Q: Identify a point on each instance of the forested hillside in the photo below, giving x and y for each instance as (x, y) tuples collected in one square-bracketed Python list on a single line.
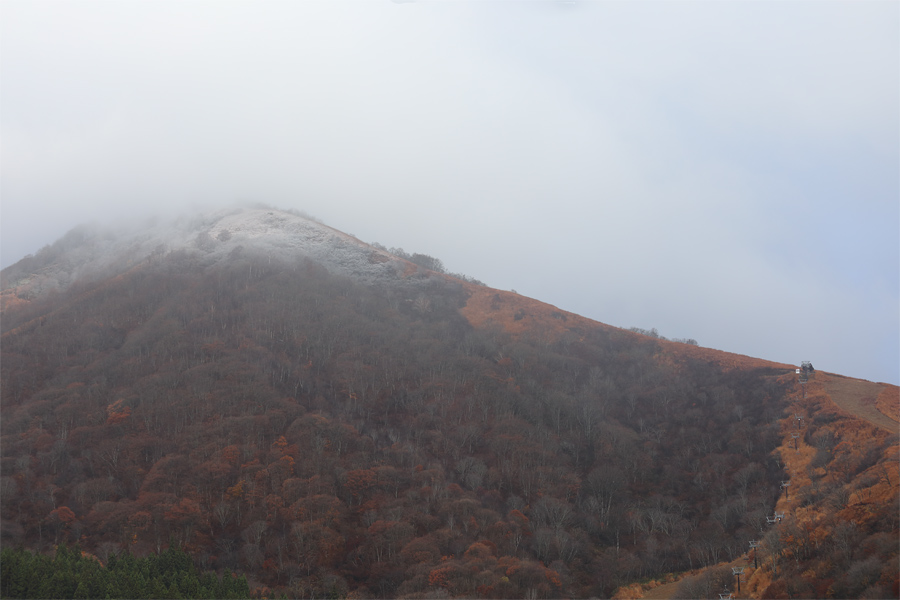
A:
[(327, 436)]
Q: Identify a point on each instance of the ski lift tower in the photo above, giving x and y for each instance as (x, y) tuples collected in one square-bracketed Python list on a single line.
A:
[(739, 572), (754, 545), (805, 370)]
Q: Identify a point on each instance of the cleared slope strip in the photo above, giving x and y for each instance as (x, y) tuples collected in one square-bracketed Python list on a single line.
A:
[(859, 397)]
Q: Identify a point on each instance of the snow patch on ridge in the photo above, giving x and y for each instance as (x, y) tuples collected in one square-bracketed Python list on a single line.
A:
[(91, 251), (285, 235)]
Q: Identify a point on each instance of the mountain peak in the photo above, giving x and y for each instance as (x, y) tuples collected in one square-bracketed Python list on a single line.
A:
[(98, 250)]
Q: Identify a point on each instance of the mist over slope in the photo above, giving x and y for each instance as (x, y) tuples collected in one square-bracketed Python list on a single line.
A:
[(95, 250), (278, 398)]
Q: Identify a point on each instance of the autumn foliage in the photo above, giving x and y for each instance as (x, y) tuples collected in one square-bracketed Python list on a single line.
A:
[(328, 437)]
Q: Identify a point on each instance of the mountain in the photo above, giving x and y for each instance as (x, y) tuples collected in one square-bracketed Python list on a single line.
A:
[(330, 418)]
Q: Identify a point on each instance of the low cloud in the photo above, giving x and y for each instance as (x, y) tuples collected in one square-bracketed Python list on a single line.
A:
[(718, 171)]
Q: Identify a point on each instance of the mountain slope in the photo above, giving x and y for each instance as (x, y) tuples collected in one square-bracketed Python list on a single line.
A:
[(328, 418), (861, 398), (841, 505)]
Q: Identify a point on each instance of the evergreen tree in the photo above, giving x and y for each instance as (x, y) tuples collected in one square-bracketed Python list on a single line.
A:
[(70, 575)]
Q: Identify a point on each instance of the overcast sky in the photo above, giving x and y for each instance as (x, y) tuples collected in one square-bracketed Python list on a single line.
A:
[(725, 171)]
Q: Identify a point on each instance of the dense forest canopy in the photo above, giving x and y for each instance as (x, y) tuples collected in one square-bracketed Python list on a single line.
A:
[(326, 436), (71, 573)]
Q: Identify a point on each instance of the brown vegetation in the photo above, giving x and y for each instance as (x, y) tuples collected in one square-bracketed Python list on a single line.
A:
[(425, 439), (859, 398), (888, 402)]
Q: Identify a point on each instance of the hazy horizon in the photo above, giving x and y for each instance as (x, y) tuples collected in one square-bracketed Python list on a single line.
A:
[(726, 172)]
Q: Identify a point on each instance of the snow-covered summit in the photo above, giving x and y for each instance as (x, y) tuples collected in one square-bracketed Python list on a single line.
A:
[(288, 235), (105, 249)]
